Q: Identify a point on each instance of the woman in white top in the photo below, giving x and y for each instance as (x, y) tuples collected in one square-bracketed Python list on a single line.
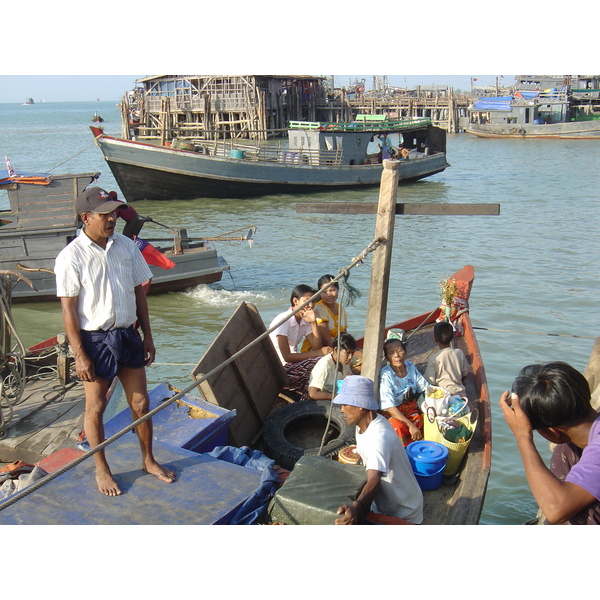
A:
[(288, 336)]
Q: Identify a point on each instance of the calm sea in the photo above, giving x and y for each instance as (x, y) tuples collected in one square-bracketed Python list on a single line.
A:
[(536, 264)]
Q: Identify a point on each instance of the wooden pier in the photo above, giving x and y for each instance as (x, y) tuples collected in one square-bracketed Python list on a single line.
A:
[(209, 107)]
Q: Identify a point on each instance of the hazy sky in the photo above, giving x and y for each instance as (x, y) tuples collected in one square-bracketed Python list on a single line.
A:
[(72, 88)]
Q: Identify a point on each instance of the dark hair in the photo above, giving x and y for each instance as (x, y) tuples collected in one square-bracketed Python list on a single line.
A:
[(299, 291), (443, 332), (391, 341), (345, 341), (553, 394), (326, 279)]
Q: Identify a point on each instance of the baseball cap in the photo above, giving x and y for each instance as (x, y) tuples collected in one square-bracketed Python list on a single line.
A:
[(357, 390), (96, 200)]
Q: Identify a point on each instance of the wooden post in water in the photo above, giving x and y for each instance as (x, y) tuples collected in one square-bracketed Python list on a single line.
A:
[(382, 256), (380, 272)]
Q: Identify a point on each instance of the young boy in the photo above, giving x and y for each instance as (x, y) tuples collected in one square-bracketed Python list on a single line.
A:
[(554, 399), (448, 367), (324, 376)]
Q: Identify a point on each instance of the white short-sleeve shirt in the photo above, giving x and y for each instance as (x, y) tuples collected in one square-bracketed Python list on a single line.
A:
[(103, 279)]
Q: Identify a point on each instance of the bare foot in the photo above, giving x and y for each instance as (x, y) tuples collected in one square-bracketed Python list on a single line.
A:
[(106, 484), (164, 474)]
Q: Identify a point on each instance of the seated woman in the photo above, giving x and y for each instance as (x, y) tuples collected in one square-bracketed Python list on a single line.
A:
[(288, 336), (331, 317), (331, 368), (400, 384)]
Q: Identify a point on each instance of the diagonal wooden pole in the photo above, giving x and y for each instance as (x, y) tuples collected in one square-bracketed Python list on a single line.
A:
[(380, 273)]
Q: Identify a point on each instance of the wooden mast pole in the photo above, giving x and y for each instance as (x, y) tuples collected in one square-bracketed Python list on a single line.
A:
[(380, 273)]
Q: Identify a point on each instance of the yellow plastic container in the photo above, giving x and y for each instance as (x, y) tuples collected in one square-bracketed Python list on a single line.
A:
[(456, 451)]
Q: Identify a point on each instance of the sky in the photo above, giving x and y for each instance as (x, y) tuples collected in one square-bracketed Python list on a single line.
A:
[(85, 53), (74, 88)]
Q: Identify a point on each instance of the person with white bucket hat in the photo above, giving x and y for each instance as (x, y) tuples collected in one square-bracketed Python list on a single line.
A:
[(391, 488)]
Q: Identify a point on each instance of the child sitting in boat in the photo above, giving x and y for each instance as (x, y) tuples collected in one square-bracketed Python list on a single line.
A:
[(448, 367), (331, 368), (331, 317), (401, 385), (554, 399), (288, 336)]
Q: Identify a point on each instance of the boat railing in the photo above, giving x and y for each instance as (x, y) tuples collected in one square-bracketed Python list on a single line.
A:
[(363, 123), (276, 153)]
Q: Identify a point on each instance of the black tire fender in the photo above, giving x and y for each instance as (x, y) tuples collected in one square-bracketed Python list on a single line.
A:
[(284, 452)]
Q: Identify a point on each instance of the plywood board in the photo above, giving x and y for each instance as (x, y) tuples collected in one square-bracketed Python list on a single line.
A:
[(251, 383)]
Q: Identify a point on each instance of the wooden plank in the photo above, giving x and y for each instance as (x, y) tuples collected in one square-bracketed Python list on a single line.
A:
[(409, 208), (380, 273), (41, 431), (243, 378), (259, 368)]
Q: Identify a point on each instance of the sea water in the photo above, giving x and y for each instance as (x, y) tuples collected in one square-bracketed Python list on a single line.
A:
[(536, 267)]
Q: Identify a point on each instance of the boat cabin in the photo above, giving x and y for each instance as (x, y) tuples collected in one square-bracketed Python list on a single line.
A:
[(367, 140), (523, 108)]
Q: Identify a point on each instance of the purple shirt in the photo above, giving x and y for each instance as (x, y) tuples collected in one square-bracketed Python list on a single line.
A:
[(586, 473)]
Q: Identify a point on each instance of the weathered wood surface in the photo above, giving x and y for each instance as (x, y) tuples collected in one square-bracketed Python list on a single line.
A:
[(249, 385), (380, 272), (56, 208), (48, 418), (409, 208)]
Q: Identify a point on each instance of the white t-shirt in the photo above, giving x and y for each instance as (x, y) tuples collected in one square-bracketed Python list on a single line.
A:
[(104, 280), (294, 331), (381, 449), (324, 374)]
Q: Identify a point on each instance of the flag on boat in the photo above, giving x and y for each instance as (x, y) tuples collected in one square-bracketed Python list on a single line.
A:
[(152, 255), (11, 171)]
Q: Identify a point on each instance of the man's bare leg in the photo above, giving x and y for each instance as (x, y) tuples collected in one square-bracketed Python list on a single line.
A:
[(134, 384), (95, 403)]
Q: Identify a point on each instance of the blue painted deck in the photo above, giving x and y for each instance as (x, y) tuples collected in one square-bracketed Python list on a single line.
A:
[(173, 425), (207, 491)]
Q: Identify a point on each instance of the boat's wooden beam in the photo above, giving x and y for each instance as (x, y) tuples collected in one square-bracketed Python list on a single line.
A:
[(409, 208), (380, 273)]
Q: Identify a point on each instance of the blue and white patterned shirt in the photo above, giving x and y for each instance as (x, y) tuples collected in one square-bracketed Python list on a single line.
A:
[(392, 388)]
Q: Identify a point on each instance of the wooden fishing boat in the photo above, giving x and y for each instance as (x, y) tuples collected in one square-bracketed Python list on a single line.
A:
[(251, 385), (42, 221), (550, 114), (317, 157), (461, 502)]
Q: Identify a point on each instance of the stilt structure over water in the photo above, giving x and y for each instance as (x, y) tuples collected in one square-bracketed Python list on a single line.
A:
[(209, 107)]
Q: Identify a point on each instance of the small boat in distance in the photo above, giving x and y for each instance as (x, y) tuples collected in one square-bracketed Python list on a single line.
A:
[(28, 101), (560, 112), (42, 221), (317, 157)]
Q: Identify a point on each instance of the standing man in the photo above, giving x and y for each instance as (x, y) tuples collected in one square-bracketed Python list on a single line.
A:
[(99, 278), (391, 488)]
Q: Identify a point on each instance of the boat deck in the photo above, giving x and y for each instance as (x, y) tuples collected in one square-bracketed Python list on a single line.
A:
[(47, 418), (206, 491), (444, 505)]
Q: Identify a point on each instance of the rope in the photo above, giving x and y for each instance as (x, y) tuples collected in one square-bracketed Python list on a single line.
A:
[(337, 365), (72, 157), (51, 476), (586, 337)]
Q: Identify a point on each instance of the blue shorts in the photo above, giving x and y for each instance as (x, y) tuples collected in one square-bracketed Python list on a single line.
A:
[(110, 350)]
